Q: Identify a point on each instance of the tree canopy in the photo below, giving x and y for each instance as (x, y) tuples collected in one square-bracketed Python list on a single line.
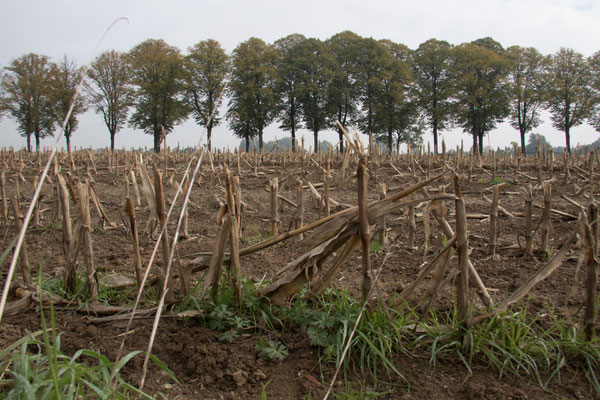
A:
[(481, 97), (65, 79), (157, 71), (345, 90), (110, 90), (288, 85), (526, 88), (377, 87), (206, 67), (316, 67), (253, 85), (26, 89), (570, 98), (435, 88)]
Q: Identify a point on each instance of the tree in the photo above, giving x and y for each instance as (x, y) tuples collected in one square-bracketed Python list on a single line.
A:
[(241, 127), (157, 73), (370, 66), (394, 110), (287, 87), (65, 79), (345, 93), (526, 88), (481, 97), (532, 143), (411, 135), (25, 96), (594, 64), (253, 85), (434, 84), (570, 98), (110, 90), (317, 66), (206, 67)]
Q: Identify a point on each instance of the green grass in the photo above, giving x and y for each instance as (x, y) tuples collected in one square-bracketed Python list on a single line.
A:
[(540, 346), (34, 369), (375, 246), (513, 343)]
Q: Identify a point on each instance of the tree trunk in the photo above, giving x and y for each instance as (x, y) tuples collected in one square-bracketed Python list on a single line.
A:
[(293, 123), (568, 139), (481, 143), (112, 141), (208, 136), (316, 137), (523, 142), (37, 141), (341, 136), (157, 135), (29, 142), (68, 138), (475, 147), (390, 142), (293, 139), (247, 144), (435, 137), (260, 139)]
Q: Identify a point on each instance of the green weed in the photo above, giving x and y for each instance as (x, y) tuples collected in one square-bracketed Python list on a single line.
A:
[(271, 350)]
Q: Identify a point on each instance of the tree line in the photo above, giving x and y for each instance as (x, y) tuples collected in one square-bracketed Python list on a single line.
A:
[(375, 86)]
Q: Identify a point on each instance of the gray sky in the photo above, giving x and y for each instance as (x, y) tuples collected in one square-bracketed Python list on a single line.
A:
[(60, 27)]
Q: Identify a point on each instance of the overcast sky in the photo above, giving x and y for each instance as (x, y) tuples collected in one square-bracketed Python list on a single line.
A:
[(60, 27)]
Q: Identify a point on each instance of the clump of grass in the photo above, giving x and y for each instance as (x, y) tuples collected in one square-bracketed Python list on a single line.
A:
[(40, 370), (515, 344), (329, 321)]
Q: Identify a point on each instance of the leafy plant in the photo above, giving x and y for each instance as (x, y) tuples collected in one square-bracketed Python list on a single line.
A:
[(271, 350)]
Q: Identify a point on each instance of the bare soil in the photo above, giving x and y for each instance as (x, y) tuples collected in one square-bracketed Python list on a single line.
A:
[(209, 368)]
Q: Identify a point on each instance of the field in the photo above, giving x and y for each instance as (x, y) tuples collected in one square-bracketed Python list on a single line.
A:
[(256, 338)]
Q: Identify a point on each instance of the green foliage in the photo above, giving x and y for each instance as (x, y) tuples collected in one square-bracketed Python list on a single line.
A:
[(111, 93), (50, 374), (316, 69), (252, 90), (345, 91), (481, 99), (288, 84), (206, 67), (157, 71), (350, 393), (395, 111), (373, 63), (65, 78), (539, 347), (527, 88), (434, 84), (47, 373), (329, 321), (271, 350), (375, 246), (570, 98), (26, 91), (594, 65), (534, 140)]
